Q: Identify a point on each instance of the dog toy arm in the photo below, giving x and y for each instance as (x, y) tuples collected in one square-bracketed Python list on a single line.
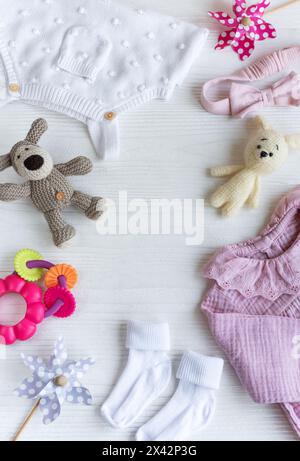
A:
[(78, 166), (10, 192), (253, 199), (226, 170)]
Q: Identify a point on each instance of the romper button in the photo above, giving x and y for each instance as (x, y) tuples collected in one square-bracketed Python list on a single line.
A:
[(60, 196), (110, 116), (14, 87)]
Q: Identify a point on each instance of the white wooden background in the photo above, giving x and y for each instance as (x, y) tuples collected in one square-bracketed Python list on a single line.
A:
[(167, 149)]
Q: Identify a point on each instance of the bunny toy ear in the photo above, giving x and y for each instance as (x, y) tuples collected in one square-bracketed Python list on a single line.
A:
[(5, 162), (36, 131), (293, 140), (261, 122)]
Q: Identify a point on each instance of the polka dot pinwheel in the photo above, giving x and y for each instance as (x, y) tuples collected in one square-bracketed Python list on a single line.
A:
[(247, 27), (54, 382)]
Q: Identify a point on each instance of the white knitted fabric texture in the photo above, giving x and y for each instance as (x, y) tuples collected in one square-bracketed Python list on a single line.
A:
[(91, 57)]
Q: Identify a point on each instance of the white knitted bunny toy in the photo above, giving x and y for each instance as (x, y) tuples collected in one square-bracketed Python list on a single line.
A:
[(266, 151)]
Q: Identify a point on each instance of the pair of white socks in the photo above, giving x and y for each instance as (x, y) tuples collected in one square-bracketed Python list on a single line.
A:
[(146, 376)]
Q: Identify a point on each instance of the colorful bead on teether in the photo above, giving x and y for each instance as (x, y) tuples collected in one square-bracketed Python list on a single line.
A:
[(59, 293), (20, 264), (61, 270)]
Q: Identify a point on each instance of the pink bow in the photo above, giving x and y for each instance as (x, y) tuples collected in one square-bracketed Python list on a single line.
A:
[(245, 98)]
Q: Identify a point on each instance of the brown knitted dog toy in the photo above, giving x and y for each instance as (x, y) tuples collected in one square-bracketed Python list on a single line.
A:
[(47, 185)]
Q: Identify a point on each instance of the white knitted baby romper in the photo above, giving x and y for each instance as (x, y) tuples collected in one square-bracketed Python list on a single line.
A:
[(92, 59)]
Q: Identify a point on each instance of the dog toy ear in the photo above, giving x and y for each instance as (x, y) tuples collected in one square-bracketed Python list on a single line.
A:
[(261, 122), (293, 140), (5, 162), (36, 131)]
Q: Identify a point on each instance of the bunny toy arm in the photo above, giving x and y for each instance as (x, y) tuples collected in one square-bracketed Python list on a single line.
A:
[(78, 166), (10, 192), (226, 170)]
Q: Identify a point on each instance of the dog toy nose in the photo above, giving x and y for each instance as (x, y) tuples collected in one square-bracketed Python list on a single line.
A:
[(34, 162), (263, 154)]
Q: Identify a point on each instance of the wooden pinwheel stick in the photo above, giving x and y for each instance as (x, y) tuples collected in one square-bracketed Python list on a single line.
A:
[(284, 5), (26, 421)]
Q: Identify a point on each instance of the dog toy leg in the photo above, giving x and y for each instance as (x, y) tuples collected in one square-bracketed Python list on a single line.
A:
[(61, 231), (93, 207)]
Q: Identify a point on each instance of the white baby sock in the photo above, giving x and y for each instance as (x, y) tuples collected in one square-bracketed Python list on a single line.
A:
[(193, 404), (146, 375)]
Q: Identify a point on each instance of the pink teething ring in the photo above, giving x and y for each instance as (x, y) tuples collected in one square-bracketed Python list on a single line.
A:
[(55, 293), (58, 300), (35, 311)]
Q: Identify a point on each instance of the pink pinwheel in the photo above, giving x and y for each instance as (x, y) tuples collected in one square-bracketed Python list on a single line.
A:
[(246, 28)]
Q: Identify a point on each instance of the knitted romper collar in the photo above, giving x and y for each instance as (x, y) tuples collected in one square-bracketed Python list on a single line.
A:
[(253, 309), (92, 60), (244, 99)]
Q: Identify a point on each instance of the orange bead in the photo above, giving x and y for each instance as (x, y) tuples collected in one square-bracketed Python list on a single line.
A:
[(53, 274)]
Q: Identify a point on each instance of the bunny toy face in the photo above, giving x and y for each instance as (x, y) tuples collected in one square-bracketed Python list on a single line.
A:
[(266, 151), (30, 161)]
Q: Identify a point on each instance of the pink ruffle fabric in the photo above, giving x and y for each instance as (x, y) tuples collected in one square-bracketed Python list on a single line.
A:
[(253, 309)]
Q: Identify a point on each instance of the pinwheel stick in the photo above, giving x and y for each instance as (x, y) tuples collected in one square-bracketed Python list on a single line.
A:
[(284, 5), (26, 421)]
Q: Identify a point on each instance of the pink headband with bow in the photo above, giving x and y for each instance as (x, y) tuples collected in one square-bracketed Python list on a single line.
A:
[(244, 99)]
